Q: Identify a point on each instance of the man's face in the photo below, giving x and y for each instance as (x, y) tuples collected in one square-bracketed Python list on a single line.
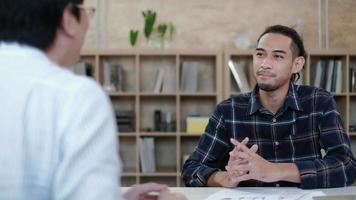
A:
[(273, 61)]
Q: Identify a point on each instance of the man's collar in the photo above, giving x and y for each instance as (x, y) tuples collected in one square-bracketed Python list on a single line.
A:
[(291, 100)]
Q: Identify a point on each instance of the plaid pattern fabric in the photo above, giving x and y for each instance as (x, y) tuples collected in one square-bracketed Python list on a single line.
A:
[(307, 130)]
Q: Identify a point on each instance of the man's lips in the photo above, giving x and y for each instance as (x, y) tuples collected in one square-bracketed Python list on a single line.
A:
[(265, 74)]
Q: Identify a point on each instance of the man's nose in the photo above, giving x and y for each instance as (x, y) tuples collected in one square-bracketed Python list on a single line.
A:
[(266, 63)]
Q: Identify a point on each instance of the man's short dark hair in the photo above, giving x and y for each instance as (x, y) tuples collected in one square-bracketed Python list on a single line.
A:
[(297, 46), (33, 22)]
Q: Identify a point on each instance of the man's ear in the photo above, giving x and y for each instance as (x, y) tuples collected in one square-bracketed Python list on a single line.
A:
[(298, 64), (69, 23)]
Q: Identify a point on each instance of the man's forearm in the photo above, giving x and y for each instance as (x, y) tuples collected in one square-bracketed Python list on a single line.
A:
[(220, 179), (216, 179), (280, 172), (287, 172)]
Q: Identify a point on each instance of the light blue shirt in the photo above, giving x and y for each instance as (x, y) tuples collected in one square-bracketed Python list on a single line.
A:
[(57, 131)]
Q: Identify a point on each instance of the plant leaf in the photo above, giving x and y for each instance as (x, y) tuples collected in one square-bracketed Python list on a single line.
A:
[(133, 37)]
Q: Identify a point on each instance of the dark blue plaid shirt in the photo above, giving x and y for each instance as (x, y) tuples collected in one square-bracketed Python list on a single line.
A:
[(305, 126)]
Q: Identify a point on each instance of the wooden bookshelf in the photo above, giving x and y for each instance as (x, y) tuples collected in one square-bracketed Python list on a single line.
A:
[(140, 69)]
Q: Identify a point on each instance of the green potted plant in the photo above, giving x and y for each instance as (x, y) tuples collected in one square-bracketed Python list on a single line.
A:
[(162, 29), (150, 18), (133, 37)]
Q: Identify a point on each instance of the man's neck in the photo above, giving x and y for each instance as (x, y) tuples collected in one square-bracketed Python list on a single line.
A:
[(273, 100)]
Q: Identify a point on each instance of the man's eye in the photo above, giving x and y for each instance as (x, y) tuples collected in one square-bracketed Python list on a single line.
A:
[(259, 54), (278, 56)]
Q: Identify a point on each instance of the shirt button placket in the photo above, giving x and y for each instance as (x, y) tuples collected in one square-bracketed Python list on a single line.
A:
[(276, 143)]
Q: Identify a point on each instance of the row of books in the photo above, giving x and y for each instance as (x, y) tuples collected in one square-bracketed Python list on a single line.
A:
[(165, 79), (113, 77), (328, 75)]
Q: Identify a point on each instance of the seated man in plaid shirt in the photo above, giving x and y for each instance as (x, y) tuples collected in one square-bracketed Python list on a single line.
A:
[(280, 134)]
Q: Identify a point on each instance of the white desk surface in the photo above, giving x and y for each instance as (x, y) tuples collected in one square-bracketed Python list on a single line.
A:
[(201, 193)]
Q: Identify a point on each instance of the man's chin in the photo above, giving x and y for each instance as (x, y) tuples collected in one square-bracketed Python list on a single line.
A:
[(267, 87)]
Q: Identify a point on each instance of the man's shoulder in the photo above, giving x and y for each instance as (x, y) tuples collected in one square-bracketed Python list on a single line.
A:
[(307, 92), (65, 81), (241, 100)]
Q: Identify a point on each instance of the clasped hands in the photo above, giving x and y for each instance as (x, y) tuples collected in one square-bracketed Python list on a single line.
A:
[(245, 164)]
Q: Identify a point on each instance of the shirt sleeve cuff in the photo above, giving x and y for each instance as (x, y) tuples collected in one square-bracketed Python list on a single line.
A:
[(205, 173), (308, 174)]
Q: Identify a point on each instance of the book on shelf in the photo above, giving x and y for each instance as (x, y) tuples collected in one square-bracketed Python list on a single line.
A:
[(125, 120), (352, 79), (117, 76), (323, 76), (239, 74), (113, 77), (189, 79), (318, 71), (147, 154), (159, 80), (338, 82), (328, 75), (169, 81), (196, 124)]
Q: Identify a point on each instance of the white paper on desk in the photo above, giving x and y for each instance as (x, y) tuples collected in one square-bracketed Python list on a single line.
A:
[(259, 194)]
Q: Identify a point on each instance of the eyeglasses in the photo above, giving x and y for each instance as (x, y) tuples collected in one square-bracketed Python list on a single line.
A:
[(88, 9)]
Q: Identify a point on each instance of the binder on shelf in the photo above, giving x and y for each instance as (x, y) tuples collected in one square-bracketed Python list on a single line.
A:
[(352, 80), (237, 70), (338, 81), (169, 82), (117, 76), (189, 81), (147, 156), (107, 84), (159, 80), (196, 124), (329, 75), (318, 71), (323, 74)]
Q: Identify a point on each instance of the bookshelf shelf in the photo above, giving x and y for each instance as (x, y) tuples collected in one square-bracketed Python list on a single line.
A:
[(198, 94), (160, 174), (121, 94), (186, 135), (127, 174), (127, 134), (157, 95), (159, 134)]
